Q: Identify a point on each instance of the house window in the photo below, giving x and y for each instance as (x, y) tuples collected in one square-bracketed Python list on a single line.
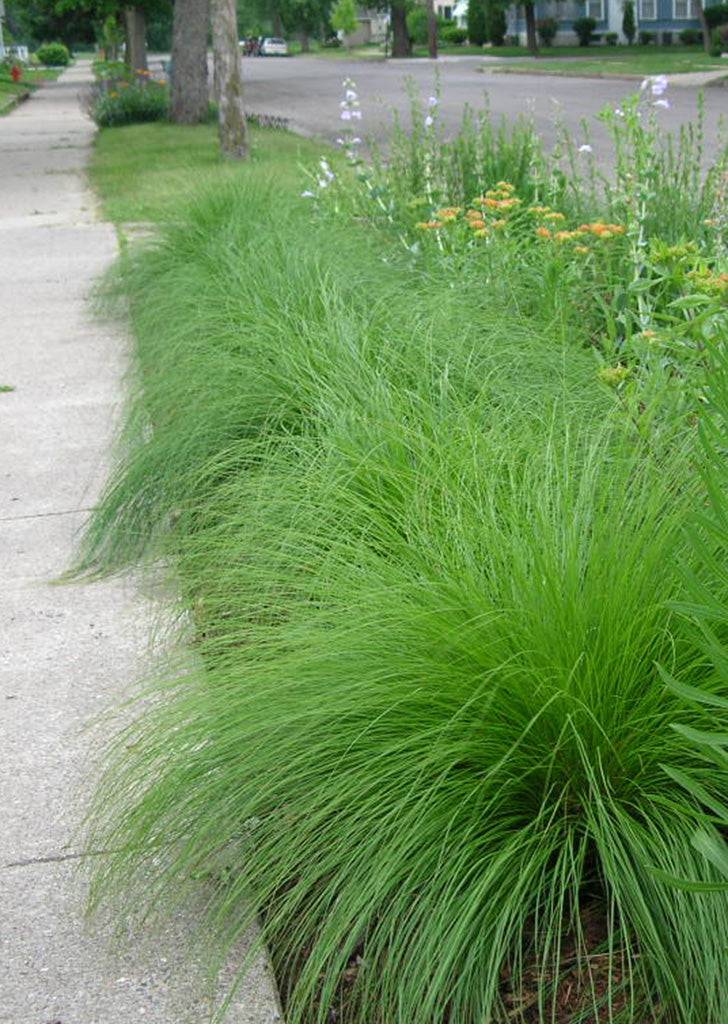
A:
[(595, 9), (648, 10), (684, 9)]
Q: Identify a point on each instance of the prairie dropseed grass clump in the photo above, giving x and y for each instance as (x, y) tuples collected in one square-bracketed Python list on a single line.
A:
[(427, 493)]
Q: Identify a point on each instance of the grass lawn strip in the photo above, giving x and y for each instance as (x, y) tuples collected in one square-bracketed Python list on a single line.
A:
[(619, 64), (12, 93)]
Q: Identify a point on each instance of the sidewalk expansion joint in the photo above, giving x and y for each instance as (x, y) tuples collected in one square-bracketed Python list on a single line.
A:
[(45, 515)]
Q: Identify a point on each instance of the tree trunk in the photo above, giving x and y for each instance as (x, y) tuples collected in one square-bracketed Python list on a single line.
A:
[(704, 27), (401, 46), (228, 71), (305, 41), (135, 28), (277, 22), (431, 30), (189, 97), (531, 37)]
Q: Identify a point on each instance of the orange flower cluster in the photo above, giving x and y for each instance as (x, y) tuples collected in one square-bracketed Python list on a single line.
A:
[(712, 284), (602, 230), (476, 222), (499, 198), (448, 214), (429, 225)]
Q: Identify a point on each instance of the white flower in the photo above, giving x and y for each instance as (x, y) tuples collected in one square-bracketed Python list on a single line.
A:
[(659, 85), (429, 121), (346, 115), (322, 183), (433, 101), (308, 194), (350, 94), (618, 112), (586, 148), (341, 142), (356, 114), (356, 141), (665, 104)]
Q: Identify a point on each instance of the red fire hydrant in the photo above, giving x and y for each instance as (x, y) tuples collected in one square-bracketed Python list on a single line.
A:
[(16, 73)]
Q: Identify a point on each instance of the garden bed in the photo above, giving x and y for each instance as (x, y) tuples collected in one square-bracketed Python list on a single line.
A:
[(418, 441)]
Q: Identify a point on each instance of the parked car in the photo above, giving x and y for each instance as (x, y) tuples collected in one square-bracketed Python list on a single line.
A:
[(272, 47)]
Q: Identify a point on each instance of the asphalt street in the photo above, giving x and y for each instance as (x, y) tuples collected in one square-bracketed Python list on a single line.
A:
[(307, 90)]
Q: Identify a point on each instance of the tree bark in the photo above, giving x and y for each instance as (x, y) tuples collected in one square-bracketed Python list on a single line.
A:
[(531, 37), (135, 28), (305, 41), (401, 46), (228, 72), (189, 96), (277, 22), (431, 30)]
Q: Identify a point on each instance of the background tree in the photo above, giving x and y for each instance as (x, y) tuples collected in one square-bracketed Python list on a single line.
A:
[(228, 73), (431, 30), (475, 22), (343, 18), (401, 43), (133, 17), (529, 10), (305, 18), (496, 23), (36, 21), (135, 27), (629, 26), (189, 95)]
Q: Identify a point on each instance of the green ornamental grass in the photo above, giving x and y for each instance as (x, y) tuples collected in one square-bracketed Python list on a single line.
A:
[(426, 571)]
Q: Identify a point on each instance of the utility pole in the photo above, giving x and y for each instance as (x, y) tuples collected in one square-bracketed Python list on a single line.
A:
[(2, 18), (431, 29)]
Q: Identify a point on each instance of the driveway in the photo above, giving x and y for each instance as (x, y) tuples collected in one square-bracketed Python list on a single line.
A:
[(307, 90)]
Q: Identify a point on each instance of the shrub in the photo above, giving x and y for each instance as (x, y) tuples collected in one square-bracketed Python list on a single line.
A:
[(547, 29), (53, 54), (666, 38), (476, 23), (332, 43), (691, 37), (629, 26), (496, 23), (134, 103), (645, 38), (112, 71), (584, 29), (453, 35), (611, 38), (719, 40)]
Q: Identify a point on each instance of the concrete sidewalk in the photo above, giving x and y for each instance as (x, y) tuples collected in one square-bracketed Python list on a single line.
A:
[(66, 653)]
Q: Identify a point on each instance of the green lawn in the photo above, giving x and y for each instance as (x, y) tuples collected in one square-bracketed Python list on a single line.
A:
[(559, 60), (31, 79), (142, 171), (617, 60)]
